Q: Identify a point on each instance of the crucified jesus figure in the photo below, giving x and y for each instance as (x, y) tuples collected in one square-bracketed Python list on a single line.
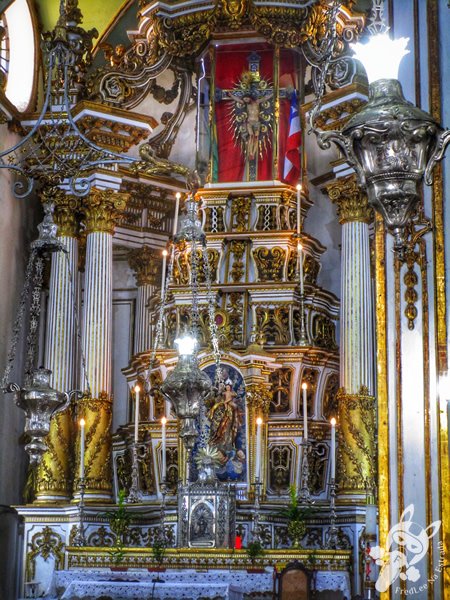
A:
[(252, 103)]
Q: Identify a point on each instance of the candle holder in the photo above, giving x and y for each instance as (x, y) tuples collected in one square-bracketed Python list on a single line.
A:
[(80, 538), (134, 495), (256, 512), (163, 487), (305, 495), (332, 541), (303, 339)]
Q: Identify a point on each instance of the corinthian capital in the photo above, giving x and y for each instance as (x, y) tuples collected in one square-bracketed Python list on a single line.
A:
[(145, 263), (259, 396), (351, 200), (102, 209), (66, 214)]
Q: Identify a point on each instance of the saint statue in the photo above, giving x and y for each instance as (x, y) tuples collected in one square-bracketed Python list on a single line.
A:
[(225, 421)]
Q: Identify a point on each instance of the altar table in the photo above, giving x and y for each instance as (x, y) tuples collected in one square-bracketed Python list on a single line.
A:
[(235, 583), (129, 590)]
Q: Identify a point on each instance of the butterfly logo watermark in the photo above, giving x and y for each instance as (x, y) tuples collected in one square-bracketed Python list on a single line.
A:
[(406, 544)]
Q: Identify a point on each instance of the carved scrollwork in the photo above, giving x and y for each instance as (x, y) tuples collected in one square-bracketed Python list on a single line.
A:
[(324, 332), (237, 251), (280, 465), (274, 324), (270, 263), (329, 402), (172, 468), (240, 212), (45, 543), (311, 268), (310, 377), (318, 458), (281, 381), (101, 537), (129, 76), (258, 398), (235, 312)]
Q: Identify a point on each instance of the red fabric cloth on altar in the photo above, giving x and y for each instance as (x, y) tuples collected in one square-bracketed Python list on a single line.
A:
[(231, 62)]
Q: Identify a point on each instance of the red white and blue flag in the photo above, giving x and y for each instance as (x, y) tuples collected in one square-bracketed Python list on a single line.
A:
[(291, 171)]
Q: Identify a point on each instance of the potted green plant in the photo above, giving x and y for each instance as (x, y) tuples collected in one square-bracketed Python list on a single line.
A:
[(158, 553), (254, 551), (296, 515), (119, 522)]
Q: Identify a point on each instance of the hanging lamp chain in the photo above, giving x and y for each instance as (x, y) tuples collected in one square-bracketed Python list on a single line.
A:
[(18, 322), (326, 53)]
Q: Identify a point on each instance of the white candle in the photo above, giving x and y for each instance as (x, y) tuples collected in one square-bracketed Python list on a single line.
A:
[(163, 448), (259, 422), (300, 267), (333, 448), (177, 208), (299, 209), (163, 278), (305, 412), (137, 389), (82, 444)]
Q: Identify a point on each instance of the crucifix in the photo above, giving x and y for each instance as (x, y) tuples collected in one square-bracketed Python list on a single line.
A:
[(251, 115)]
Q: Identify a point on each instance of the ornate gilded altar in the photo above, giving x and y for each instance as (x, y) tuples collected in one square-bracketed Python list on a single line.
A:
[(274, 334)]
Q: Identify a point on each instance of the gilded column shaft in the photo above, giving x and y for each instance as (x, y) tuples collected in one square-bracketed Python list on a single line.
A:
[(54, 473), (101, 210), (356, 465)]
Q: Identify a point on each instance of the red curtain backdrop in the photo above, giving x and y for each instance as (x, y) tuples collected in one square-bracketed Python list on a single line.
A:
[(231, 62)]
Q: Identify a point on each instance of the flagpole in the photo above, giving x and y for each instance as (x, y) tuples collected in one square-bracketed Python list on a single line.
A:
[(292, 162)]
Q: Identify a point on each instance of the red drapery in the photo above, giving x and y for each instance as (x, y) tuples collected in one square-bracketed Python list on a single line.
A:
[(231, 62)]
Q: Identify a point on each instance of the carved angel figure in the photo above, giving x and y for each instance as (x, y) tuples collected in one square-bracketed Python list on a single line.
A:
[(151, 164)]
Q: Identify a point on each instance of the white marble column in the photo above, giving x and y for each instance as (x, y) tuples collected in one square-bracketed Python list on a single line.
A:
[(101, 211), (97, 313), (356, 473), (54, 474), (145, 263), (60, 346), (356, 315)]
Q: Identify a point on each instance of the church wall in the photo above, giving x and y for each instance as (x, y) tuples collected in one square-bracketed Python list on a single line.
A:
[(414, 365), (124, 303), (322, 224), (183, 150)]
